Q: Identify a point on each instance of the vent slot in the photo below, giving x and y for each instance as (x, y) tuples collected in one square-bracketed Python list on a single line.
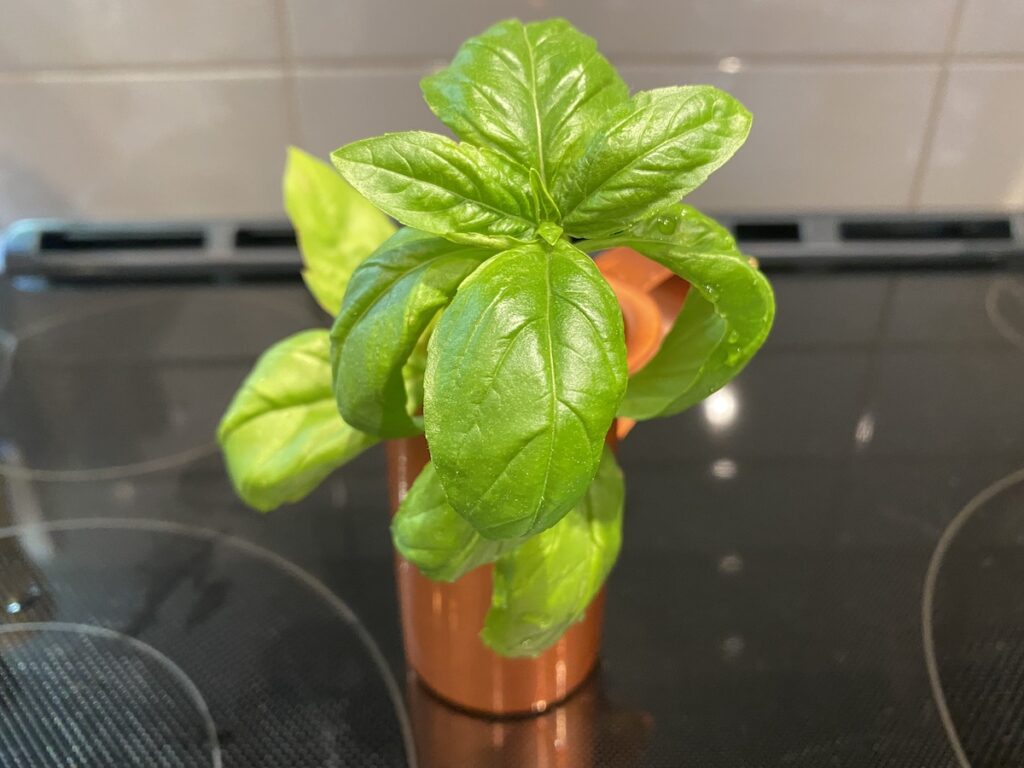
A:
[(113, 240), (937, 229), (768, 232), (265, 237)]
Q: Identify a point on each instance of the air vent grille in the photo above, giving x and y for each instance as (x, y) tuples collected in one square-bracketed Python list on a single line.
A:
[(926, 229), (230, 249), (265, 237), (51, 241), (767, 232)]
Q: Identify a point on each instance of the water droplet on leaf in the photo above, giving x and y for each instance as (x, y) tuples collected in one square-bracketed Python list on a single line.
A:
[(666, 224)]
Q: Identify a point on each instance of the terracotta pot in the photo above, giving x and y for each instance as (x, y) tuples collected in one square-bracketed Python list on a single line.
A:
[(441, 622)]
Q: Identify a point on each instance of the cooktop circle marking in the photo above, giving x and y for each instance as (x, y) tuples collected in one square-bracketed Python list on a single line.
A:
[(274, 559), (50, 322), (10, 340), (928, 604), (8, 345), (1016, 289), (144, 648), (116, 472), (44, 324)]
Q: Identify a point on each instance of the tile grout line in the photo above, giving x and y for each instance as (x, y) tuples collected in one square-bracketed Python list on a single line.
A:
[(288, 73), (935, 110), (242, 69), (155, 74)]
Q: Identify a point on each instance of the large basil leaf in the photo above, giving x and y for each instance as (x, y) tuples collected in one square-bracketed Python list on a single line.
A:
[(429, 182), (336, 227), (535, 92), (391, 299), (526, 369), (653, 150), (282, 434), (432, 536), (725, 320), (545, 585)]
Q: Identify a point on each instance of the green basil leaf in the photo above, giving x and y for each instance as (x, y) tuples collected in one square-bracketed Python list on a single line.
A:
[(535, 92), (432, 536), (686, 368), (544, 585), (429, 182), (335, 226), (689, 229), (526, 369), (545, 206), (391, 299), (725, 320), (654, 149), (281, 434), (413, 371), (549, 232), (547, 210)]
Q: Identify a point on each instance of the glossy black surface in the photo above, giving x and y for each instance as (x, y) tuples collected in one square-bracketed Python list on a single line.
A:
[(148, 643), (767, 609)]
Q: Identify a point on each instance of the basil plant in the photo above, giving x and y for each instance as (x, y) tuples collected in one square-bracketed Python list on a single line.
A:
[(484, 323)]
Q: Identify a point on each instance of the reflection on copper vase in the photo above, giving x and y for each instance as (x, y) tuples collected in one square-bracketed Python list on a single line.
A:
[(441, 621)]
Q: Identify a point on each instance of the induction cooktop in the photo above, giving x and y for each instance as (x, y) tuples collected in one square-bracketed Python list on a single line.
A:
[(822, 564)]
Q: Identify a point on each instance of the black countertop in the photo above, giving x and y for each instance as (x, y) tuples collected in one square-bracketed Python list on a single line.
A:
[(782, 545)]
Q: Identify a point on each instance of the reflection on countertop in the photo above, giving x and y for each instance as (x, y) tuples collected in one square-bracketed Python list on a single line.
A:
[(585, 731)]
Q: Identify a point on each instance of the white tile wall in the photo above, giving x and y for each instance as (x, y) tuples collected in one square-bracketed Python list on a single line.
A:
[(58, 34), (978, 155), (992, 27), (335, 108), (329, 29), (814, 128), (392, 29), (629, 28), (126, 109), (142, 148)]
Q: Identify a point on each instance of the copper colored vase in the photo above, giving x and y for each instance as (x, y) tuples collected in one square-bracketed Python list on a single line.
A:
[(441, 622)]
